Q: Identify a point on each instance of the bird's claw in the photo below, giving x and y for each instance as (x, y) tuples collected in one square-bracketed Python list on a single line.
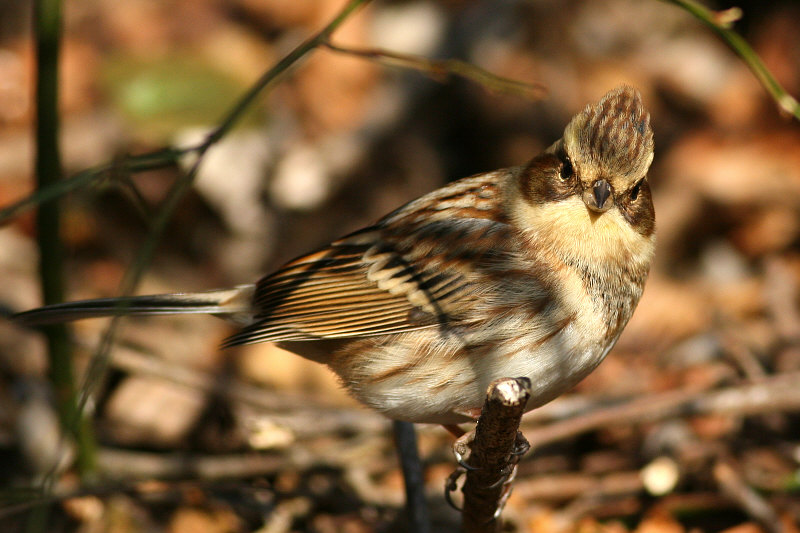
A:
[(461, 449), (463, 463), (451, 485), (521, 446), (506, 481)]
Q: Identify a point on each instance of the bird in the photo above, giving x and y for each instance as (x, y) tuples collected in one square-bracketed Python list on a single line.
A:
[(530, 271)]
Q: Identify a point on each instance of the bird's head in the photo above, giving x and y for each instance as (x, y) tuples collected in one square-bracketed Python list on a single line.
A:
[(592, 183)]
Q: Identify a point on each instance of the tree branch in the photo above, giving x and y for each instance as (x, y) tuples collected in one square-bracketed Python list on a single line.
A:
[(769, 395), (492, 454)]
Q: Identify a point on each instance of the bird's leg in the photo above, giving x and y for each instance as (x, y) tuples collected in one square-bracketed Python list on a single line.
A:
[(454, 429), (408, 453)]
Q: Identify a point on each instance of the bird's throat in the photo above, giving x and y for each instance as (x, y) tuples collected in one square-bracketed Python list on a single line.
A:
[(584, 236)]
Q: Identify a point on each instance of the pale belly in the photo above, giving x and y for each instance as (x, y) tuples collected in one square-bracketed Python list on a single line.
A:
[(419, 378)]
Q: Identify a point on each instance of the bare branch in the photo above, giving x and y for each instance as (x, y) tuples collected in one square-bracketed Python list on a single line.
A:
[(439, 69), (733, 486), (492, 458), (770, 395)]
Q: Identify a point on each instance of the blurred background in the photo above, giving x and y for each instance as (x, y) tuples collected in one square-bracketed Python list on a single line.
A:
[(339, 142)]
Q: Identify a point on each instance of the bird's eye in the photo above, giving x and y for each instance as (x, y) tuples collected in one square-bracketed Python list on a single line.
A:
[(635, 190), (566, 169)]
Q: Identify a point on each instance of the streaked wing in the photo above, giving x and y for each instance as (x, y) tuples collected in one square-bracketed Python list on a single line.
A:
[(412, 270)]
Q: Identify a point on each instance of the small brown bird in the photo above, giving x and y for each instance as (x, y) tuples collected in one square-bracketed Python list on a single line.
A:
[(527, 271)]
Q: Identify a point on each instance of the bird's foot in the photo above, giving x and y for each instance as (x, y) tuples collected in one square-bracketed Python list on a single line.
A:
[(461, 450), (507, 482), (521, 447)]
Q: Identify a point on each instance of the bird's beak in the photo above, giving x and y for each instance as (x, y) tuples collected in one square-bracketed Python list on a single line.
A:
[(597, 197)]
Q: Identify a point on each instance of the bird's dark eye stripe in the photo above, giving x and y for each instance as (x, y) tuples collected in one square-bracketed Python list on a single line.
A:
[(635, 190), (566, 169)]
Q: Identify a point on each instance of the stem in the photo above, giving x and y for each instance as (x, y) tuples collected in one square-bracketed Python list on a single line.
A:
[(144, 256), (135, 163), (438, 69), (47, 30), (721, 26), (168, 156), (316, 40)]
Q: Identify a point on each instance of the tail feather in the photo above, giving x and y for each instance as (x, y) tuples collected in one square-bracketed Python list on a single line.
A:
[(233, 304)]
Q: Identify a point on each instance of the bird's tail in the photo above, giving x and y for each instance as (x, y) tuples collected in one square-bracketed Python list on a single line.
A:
[(233, 304)]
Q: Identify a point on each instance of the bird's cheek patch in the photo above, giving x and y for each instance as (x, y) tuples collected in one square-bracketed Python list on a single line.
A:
[(540, 181)]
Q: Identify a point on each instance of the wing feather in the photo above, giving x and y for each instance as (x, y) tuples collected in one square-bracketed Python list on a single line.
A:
[(414, 269)]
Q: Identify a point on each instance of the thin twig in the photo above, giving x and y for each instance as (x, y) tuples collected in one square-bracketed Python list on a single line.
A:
[(300, 413), (492, 460), (157, 159), (770, 395), (131, 465), (439, 69), (721, 22), (782, 290), (99, 362), (733, 486), (47, 22), (169, 156), (568, 485)]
